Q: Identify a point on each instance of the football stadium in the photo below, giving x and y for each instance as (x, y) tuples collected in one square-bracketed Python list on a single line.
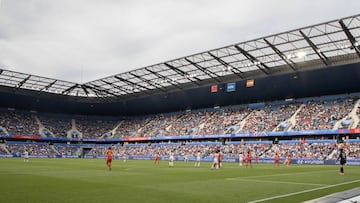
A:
[(272, 119)]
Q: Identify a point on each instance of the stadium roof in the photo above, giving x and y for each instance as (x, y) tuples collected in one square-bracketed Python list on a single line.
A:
[(317, 46)]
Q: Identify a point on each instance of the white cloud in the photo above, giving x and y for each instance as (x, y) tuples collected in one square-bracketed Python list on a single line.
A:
[(84, 40)]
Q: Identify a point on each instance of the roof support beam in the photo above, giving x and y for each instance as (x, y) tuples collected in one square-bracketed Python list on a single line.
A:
[(100, 94), (254, 60), (130, 82), (354, 43), (48, 86), (226, 65), (97, 93), (281, 55), (85, 90), (157, 86), (23, 81), (116, 86), (182, 73), (164, 78), (207, 72), (101, 89), (321, 55), (69, 89)]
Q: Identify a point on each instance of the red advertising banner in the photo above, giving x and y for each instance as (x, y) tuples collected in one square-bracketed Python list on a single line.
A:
[(354, 130), (26, 137)]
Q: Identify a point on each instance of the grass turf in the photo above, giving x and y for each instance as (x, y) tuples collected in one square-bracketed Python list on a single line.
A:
[(88, 180)]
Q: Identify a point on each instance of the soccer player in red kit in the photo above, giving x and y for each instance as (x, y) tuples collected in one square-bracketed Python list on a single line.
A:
[(288, 160), (109, 155), (256, 159), (276, 159), (157, 159), (248, 159), (219, 157)]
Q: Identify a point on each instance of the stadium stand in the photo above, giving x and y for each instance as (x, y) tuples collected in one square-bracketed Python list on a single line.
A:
[(90, 128), (321, 114), (55, 126), (312, 149), (316, 115), (35, 149), (269, 118), (16, 122), (67, 150)]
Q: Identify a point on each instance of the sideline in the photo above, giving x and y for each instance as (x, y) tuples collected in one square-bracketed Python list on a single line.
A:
[(304, 191)]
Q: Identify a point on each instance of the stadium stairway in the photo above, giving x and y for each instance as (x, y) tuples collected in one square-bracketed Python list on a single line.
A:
[(42, 128), (114, 131), (74, 129), (266, 150), (352, 115), (202, 125), (55, 150), (140, 130), (242, 123), (3, 147), (291, 120), (332, 155), (4, 130)]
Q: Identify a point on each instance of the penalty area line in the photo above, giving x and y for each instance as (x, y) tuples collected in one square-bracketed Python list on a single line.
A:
[(304, 191)]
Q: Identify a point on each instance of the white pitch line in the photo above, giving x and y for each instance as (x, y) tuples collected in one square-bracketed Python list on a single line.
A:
[(282, 182), (304, 191), (280, 174)]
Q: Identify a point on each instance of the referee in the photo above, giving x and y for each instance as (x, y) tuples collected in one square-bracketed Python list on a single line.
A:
[(342, 158)]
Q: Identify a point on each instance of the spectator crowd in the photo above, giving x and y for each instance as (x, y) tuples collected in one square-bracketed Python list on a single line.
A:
[(311, 114)]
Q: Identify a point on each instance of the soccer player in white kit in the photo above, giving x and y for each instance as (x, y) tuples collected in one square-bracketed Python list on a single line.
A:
[(215, 161), (185, 158), (198, 159), (26, 156), (240, 159), (171, 160)]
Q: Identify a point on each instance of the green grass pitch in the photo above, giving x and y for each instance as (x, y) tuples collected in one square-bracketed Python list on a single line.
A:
[(88, 180)]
